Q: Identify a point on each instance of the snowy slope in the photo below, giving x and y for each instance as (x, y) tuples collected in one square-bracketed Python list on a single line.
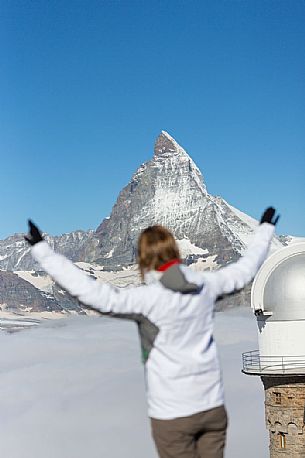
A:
[(244, 233)]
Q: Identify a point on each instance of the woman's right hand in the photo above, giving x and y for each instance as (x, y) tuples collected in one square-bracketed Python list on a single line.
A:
[(269, 216)]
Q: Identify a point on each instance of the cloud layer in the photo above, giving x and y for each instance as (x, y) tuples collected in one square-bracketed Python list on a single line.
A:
[(75, 388)]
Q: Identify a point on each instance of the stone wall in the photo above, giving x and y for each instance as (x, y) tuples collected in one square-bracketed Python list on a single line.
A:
[(284, 410)]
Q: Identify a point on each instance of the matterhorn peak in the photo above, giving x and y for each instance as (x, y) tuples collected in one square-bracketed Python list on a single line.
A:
[(167, 146), (169, 190)]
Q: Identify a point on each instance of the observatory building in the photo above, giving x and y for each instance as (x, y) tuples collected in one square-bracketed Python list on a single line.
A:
[(278, 301)]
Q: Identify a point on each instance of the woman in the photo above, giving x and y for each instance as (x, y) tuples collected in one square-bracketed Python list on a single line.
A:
[(174, 311)]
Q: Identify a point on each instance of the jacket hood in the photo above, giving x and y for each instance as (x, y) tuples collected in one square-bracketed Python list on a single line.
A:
[(177, 278)]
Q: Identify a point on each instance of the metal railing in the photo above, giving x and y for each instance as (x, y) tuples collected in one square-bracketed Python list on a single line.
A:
[(254, 363)]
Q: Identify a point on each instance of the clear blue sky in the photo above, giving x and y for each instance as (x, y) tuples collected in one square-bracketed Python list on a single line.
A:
[(86, 86)]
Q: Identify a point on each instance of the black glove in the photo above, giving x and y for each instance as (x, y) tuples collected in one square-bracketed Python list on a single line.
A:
[(269, 216), (34, 235)]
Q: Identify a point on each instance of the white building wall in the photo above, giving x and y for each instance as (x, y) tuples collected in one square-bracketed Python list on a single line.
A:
[(282, 338)]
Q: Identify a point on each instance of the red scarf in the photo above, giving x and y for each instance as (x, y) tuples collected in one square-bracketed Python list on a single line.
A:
[(168, 264)]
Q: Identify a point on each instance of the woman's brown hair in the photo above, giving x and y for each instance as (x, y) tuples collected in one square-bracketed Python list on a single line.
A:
[(156, 246)]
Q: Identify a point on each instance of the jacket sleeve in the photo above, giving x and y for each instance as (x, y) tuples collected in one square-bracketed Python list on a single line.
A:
[(236, 275), (97, 295)]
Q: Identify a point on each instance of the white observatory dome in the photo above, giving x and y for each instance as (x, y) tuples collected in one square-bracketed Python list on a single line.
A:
[(284, 292), (279, 288), (278, 299)]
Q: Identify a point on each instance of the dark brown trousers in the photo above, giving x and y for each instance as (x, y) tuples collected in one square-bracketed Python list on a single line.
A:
[(202, 435)]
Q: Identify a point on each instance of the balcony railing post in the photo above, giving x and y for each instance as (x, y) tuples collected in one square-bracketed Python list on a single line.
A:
[(259, 362)]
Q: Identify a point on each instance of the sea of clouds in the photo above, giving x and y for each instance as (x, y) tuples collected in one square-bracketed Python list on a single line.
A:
[(74, 388)]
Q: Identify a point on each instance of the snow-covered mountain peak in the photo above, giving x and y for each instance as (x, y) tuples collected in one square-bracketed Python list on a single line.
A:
[(170, 190), (170, 157), (167, 146)]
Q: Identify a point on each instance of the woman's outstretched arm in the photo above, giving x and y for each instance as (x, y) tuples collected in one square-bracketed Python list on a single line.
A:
[(97, 295)]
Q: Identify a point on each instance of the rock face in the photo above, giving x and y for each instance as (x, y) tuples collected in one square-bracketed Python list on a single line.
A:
[(17, 294), (15, 251), (170, 190)]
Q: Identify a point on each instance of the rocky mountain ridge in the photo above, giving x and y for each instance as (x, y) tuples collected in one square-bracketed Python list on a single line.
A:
[(15, 251)]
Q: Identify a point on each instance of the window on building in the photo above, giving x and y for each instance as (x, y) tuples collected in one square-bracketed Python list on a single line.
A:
[(292, 429), (278, 398), (282, 440)]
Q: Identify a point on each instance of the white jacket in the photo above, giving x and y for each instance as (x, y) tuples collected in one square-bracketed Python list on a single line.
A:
[(182, 373)]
